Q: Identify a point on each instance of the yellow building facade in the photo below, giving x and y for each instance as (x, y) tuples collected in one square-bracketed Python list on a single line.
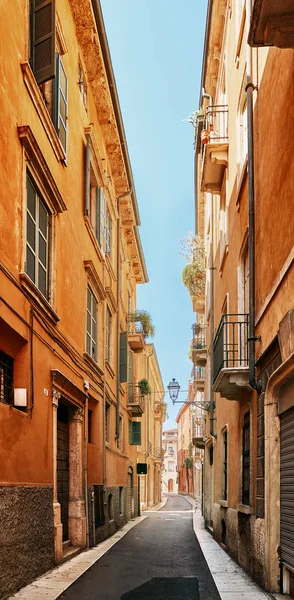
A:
[(244, 180)]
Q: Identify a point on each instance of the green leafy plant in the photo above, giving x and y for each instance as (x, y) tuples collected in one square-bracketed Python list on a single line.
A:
[(193, 118), (193, 274), (143, 317), (188, 462), (144, 387)]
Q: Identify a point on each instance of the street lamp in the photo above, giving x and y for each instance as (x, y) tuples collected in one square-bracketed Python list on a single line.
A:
[(173, 388)]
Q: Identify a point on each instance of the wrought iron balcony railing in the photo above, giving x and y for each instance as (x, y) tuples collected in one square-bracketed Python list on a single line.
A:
[(198, 427), (216, 122), (230, 348), (199, 344), (136, 400)]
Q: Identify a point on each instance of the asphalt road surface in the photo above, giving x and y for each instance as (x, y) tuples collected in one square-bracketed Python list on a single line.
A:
[(159, 559)]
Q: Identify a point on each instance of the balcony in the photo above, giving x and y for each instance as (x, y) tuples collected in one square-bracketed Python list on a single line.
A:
[(136, 336), (272, 24), (215, 148), (136, 401), (199, 377), (230, 357), (199, 350), (198, 435), (158, 454), (198, 298)]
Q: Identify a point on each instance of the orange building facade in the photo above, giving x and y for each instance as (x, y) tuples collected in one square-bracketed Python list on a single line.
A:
[(244, 196), (71, 259)]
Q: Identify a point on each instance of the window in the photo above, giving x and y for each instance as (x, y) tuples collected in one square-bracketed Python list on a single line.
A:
[(60, 102), (135, 433), (90, 426), (6, 378), (120, 439), (170, 466), (110, 507), (211, 454), (37, 239), (108, 334), (225, 466), (108, 234), (171, 450), (107, 422), (82, 85), (91, 335), (246, 459), (123, 357)]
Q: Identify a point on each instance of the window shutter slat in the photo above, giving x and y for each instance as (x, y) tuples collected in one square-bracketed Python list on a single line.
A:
[(43, 40), (131, 377), (136, 441), (123, 366)]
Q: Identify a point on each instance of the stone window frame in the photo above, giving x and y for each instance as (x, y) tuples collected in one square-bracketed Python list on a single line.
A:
[(95, 284), (36, 167)]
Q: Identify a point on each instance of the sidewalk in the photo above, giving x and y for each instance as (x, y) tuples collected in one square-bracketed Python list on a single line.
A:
[(232, 582), (51, 585)]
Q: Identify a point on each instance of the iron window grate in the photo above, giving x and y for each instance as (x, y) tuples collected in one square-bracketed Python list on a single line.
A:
[(6, 378)]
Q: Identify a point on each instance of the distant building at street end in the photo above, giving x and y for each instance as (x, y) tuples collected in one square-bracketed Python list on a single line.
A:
[(170, 461)]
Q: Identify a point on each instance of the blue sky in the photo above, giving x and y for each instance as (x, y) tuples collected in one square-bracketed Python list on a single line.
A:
[(156, 49)]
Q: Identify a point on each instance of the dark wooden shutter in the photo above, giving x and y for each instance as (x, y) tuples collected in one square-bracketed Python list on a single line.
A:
[(136, 434), (123, 363), (131, 377), (99, 505), (98, 211), (287, 487), (43, 39)]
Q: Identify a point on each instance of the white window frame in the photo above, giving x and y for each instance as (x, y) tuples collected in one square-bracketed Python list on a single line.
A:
[(108, 334), (91, 332), (38, 232)]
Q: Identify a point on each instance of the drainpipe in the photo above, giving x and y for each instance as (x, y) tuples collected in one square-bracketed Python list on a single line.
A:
[(128, 193), (211, 331), (86, 426), (251, 213)]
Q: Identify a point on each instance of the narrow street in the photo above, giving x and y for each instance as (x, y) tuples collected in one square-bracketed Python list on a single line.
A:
[(160, 558)]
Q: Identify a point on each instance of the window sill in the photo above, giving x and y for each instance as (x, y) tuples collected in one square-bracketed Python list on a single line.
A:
[(20, 410), (38, 299), (93, 238), (92, 363), (42, 111), (224, 503), (110, 369), (245, 509)]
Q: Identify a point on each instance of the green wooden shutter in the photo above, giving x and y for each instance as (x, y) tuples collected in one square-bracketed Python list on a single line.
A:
[(131, 377), (43, 39), (130, 432), (123, 363), (136, 433), (98, 210)]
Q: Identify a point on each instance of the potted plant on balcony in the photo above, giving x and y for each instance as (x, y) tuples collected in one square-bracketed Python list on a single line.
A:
[(143, 317), (144, 387)]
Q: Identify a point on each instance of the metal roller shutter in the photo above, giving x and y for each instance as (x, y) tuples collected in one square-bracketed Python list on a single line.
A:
[(129, 496), (287, 487)]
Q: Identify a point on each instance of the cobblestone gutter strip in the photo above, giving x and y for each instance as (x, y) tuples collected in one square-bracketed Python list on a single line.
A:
[(51, 585), (232, 582)]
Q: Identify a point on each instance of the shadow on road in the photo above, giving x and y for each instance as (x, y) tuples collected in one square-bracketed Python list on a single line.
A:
[(165, 588)]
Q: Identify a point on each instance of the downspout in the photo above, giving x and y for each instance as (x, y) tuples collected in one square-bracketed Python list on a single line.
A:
[(251, 212), (128, 193), (211, 330)]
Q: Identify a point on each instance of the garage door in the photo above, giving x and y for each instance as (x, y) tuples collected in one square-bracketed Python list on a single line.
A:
[(287, 487)]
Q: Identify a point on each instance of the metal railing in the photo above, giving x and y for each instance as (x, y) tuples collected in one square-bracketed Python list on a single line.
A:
[(198, 429), (199, 373), (135, 327), (216, 121), (230, 347), (199, 336), (135, 396)]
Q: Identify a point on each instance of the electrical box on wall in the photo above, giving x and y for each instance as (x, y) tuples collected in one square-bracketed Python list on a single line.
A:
[(20, 397)]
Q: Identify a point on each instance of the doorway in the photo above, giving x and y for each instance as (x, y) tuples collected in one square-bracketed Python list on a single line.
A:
[(63, 466), (170, 486), (130, 494)]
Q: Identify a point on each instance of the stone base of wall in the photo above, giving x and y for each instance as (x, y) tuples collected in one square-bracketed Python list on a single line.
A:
[(243, 537), (26, 536), (119, 519)]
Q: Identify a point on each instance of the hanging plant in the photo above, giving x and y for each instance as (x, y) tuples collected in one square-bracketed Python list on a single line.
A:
[(143, 317), (188, 462), (144, 387)]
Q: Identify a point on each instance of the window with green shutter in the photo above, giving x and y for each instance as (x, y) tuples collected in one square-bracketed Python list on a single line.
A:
[(131, 377), (135, 433), (123, 362), (91, 326), (37, 239), (42, 39)]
